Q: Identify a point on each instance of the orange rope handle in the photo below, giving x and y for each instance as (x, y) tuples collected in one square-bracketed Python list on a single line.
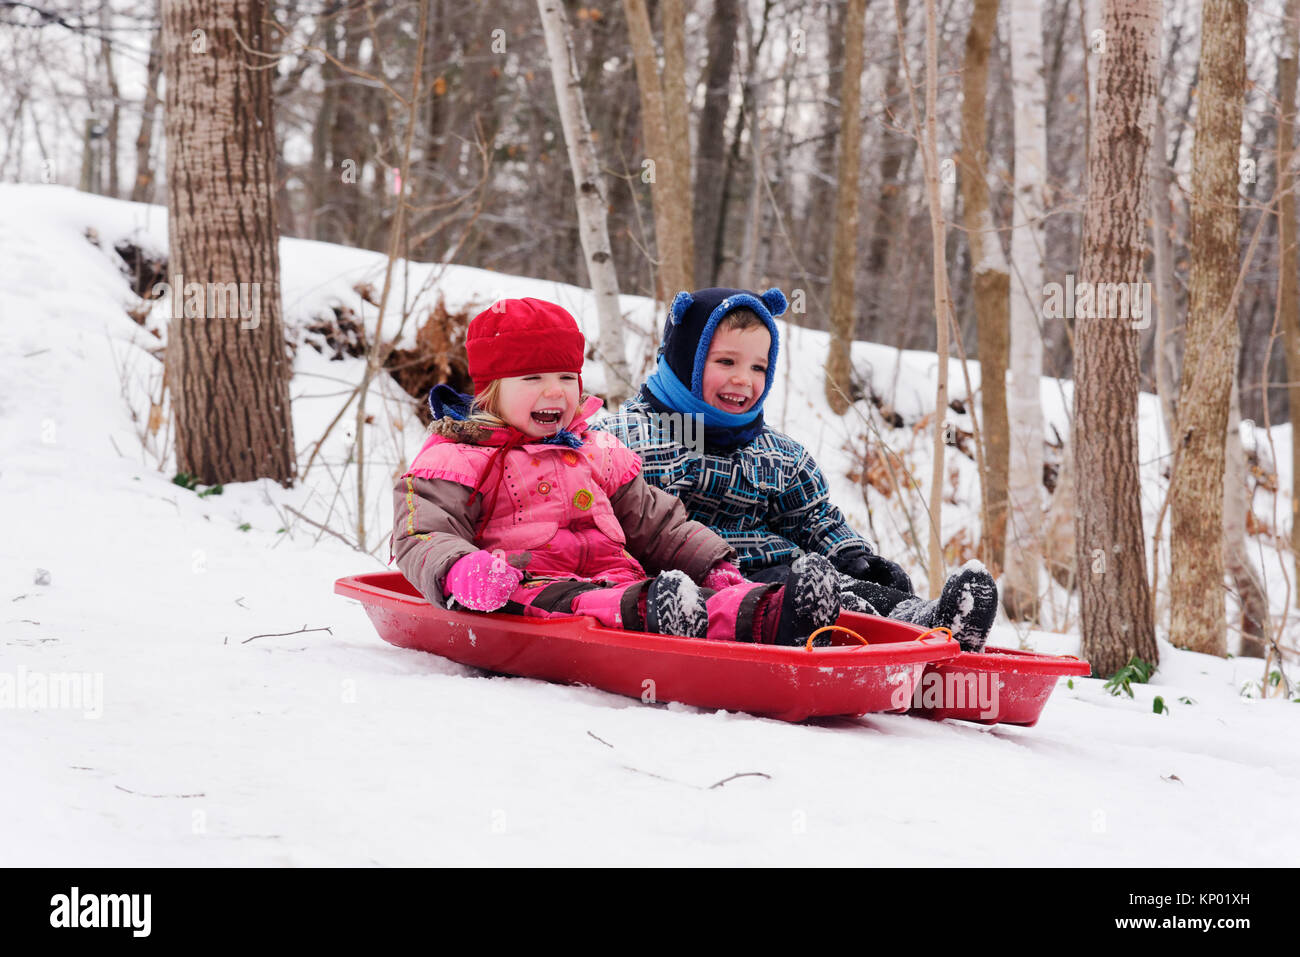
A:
[(926, 634), (847, 631)]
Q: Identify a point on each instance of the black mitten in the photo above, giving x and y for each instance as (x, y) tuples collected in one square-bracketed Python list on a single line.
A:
[(864, 564)]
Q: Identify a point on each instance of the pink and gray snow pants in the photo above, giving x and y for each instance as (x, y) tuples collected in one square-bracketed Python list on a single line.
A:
[(733, 611)]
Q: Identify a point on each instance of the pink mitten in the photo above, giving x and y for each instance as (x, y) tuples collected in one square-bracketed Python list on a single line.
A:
[(723, 575), (482, 581)]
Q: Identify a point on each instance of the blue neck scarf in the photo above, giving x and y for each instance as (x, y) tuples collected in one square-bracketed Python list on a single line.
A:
[(723, 431)]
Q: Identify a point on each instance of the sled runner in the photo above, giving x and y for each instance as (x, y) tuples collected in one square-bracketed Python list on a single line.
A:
[(847, 678)]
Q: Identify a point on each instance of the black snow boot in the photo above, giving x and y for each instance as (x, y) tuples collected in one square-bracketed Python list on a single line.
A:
[(674, 606), (811, 601), (967, 607)]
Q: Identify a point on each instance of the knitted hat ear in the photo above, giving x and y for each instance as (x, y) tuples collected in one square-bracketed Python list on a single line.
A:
[(681, 302), (774, 299)]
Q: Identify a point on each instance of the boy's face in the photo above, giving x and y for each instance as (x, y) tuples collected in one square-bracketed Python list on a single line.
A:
[(539, 405), (735, 370)]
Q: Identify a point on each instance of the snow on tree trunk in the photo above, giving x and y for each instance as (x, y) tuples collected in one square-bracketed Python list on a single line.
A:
[(1024, 404), (1198, 618), (991, 280), (228, 374), (591, 200), (844, 252), (1115, 599)]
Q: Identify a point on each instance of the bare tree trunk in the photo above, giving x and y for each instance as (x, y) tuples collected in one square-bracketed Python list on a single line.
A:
[(322, 180), (654, 126), (1288, 303), (1163, 358), (844, 252), (991, 280), (1255, 625), (228, 376), (1198, 614), (591, 199), (677, 117), (710, 150), (890, 209), (1109, 546), (142, 191), (939, 263), (1025, 407), (115, 106)]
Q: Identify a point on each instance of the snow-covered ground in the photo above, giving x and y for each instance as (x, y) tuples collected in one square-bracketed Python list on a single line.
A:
[(209, 736)]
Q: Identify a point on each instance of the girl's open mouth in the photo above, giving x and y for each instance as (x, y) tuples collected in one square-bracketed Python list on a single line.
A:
[(548, 417)]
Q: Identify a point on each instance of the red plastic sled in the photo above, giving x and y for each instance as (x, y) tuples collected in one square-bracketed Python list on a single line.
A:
[(791, 684), (997, 686)]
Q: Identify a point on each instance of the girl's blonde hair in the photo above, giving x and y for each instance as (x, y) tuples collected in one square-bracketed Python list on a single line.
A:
[(485, 409)]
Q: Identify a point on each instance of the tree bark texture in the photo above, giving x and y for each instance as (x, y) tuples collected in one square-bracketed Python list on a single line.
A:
[(1115, 597), (990, 280), (710, 150), (1198, 613), (654, 127), (677, 119), (844, 252), (228, 376)]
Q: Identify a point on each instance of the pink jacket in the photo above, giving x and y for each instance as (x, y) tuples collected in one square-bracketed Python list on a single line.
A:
[(552, 514)]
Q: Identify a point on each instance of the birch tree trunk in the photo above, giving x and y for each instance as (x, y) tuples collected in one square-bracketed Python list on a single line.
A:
[(1198, 619), (228, 376), (1115, 597), (1288, 303), (591, 200), (1025, 409), (1255, 626), (990, 280), (844, 251)]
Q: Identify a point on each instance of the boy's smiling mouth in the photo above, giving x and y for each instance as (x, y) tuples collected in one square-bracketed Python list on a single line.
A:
[(734, 400)]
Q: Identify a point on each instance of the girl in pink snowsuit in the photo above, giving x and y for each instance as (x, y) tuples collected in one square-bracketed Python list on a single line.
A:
[(512, 504)]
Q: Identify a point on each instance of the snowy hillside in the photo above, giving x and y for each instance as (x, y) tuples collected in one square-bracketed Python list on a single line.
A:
[(238, 712)]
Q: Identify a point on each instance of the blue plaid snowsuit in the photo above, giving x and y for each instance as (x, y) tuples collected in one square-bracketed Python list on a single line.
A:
[(768, 499)]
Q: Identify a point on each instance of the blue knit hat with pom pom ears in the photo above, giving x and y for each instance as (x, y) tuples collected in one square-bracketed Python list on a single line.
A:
[(693, 319)]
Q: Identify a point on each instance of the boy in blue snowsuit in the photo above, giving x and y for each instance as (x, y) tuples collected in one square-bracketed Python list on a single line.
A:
[(756, 487)]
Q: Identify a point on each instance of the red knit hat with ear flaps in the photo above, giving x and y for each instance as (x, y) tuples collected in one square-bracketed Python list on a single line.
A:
[(515, 337)]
